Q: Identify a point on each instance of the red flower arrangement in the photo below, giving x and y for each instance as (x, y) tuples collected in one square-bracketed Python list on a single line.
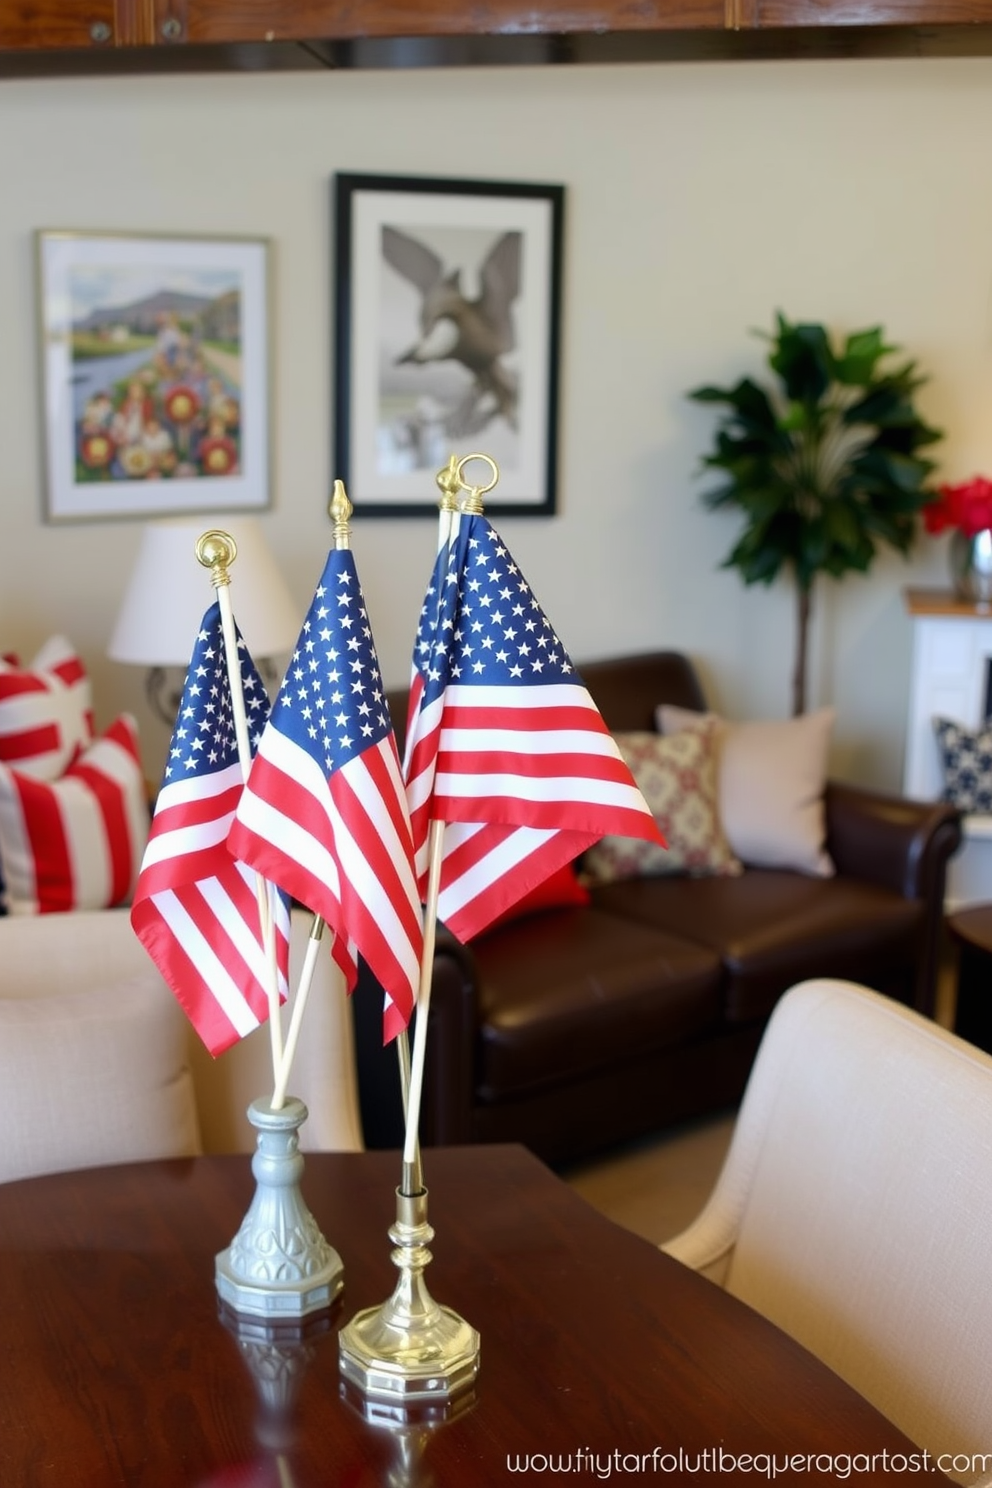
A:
[(967, 506)]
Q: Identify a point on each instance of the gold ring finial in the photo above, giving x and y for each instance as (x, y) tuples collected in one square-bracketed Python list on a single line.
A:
[(217, 550), (473, 501)]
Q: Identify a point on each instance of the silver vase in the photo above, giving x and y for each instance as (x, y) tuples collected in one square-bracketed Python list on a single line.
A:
[(971, 566)]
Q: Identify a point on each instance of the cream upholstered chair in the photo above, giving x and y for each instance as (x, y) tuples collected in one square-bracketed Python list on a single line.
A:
[(854, 1209), (98, 1063)]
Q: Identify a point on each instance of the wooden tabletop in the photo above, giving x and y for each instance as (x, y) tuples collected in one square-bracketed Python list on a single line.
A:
[(116, 1368)]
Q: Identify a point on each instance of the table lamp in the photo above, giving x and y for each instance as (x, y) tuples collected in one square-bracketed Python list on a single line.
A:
[(167, 596)]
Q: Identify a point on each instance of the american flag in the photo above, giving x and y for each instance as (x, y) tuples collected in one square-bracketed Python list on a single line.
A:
[(195, 907), (504, 743), (324, 811)]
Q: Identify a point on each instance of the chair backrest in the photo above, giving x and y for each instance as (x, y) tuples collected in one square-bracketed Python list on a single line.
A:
[(855, 1207), (98, 1064)]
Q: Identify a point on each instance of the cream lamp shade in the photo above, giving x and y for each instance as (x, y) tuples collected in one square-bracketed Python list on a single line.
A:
[(169, 592)]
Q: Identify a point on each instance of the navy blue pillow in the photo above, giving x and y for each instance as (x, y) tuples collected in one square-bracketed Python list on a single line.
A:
[(966, 759)]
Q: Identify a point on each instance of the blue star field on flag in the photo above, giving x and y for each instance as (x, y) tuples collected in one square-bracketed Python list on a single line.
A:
[(204, 737)]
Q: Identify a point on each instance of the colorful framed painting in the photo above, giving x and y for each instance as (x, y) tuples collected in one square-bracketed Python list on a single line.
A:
[(448, 309), (155, 374)]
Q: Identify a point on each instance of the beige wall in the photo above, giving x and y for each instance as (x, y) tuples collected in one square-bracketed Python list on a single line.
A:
[(700, 199)]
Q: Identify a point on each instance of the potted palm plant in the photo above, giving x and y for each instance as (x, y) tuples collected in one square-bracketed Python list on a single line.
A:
[(824, 465)]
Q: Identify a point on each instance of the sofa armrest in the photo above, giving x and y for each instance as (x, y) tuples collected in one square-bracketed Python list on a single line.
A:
[(900, 844), (904, 846)]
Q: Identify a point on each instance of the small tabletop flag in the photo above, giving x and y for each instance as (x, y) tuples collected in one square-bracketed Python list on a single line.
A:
[(324, 811), (504, 743), (195, 906)]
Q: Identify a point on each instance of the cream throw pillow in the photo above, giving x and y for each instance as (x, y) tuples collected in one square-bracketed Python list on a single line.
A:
[(771, 777)]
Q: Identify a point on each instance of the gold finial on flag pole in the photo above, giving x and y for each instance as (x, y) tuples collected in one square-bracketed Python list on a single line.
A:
[(341, 509), (217, 550), (449, 482), (473, 501)]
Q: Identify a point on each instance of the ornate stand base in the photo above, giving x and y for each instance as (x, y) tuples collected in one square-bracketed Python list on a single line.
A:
[(278, 1265), (409, 1348)]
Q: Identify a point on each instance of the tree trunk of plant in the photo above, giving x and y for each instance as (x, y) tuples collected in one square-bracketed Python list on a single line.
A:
[(805, 595)]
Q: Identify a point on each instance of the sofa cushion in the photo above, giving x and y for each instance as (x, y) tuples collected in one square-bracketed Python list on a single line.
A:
[(678, 780), (76, 843), (46, 711), (772, 928), (771, 778), (575, 990)]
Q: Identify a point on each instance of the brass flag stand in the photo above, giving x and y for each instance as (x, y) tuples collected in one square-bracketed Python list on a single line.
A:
[(410, 1348)]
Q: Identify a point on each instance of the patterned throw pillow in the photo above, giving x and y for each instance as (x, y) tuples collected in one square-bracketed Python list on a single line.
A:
[(771, 778), (46, 711), (966, 759), (677, 777), (76, 843)]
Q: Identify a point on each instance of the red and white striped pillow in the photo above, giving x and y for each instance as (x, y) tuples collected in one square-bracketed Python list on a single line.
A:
[(76, 843), (46, 711)]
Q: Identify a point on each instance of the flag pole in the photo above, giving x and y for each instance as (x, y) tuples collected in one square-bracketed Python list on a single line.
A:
[(340, 509), (449, 483), (217, 551), (451, 480), (413, 1178)]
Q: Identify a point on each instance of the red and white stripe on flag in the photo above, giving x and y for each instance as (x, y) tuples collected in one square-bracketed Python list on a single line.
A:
[(526, 778), (340, 845), (540, 756), (419, 763), (75, 843), (196, 912)]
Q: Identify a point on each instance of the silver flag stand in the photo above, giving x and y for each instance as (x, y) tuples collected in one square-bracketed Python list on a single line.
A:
[(278, 1265)]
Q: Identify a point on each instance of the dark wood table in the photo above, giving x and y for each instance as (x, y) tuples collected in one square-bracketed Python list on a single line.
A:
[(116, 1367)]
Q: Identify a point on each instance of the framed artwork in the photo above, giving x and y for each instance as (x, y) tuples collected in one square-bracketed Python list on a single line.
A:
[(448, 308), (155, 374)]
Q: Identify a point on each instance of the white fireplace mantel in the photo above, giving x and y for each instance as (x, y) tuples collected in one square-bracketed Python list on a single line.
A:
[(951, 678)]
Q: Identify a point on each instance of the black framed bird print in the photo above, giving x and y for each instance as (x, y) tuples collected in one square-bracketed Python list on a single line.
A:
[(447, 337)]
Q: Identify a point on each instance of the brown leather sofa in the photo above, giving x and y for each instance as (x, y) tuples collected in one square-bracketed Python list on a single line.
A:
[(573, 1029)]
